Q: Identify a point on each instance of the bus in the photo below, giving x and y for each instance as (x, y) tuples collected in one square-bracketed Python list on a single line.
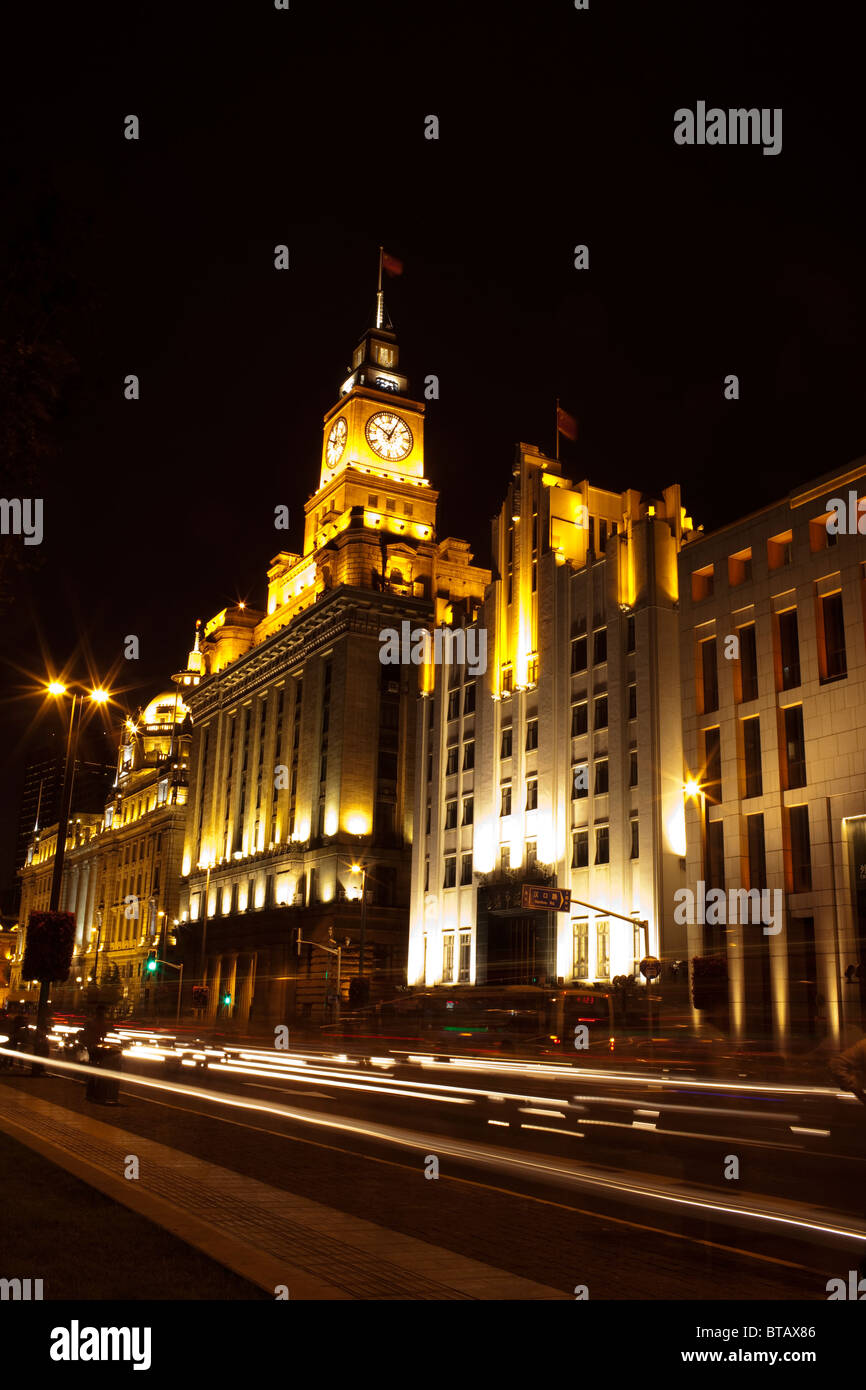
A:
[(479, 1020)]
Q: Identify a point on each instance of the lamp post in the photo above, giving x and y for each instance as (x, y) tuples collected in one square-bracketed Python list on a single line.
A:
[(361, 869), (99, 697)]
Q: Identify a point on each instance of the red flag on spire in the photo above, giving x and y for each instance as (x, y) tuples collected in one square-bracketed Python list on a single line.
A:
[(391, 265), (566, 424)]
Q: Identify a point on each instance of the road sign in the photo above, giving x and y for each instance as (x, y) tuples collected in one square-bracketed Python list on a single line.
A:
[(540, 899), (650, 967)]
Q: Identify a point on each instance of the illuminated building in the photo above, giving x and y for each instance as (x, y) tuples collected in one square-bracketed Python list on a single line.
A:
[(562, 765), (121, 870), (774, 706), (303, 755)]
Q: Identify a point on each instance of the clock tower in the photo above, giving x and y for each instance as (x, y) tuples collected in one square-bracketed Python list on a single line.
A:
[(373, 449)]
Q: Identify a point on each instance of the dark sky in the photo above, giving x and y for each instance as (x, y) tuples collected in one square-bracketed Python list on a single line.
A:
[(306, 127)]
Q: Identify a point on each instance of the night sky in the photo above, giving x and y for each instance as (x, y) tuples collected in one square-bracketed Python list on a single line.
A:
[(306, 127)]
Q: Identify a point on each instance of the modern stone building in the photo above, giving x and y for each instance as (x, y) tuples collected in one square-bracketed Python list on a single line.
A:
[(773, 611), (562, 764), (304, 741)]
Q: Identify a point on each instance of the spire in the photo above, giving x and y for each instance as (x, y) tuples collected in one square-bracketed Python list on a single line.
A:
[(377, 354)]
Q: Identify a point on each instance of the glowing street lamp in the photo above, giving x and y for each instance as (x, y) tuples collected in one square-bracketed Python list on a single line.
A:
[(360, 869)]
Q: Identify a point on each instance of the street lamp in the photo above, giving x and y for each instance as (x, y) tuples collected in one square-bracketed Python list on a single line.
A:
[(361, 869), (99, 697)]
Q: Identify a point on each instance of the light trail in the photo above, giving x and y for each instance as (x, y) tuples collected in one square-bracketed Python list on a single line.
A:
[(545, 1169)]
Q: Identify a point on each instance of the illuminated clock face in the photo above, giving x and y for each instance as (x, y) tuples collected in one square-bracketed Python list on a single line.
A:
[(336, 441), (389, 436)]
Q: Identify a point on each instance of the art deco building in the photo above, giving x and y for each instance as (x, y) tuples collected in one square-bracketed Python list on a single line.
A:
[(563, 763), (121, 870), (304, 741), (774, 699)]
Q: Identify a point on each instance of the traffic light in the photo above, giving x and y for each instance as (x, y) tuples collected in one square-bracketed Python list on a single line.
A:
[(227, 999), (152, 964)]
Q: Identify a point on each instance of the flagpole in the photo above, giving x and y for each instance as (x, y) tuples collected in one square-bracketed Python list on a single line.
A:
[(379, 293), (557, 429)]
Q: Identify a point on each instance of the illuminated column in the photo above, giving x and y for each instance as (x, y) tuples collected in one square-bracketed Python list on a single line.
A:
[(213, 981)]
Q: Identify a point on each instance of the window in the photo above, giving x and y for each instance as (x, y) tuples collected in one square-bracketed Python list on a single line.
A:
[(466, 868), (532, 670), (709, 675), (580, 957), (753, 781), (578, 655), (632, 702), (740, 568), (505, 805), (711, 783), (602, 844), (407, 508), (601, 777), (789, 649), (448, 956), (531, 734), (780, 550), (831, 646), (748, 662), (373, 499), (430, 767), (453, 704), (469, 698), (450, 879), (602, 945), (714, 869), (532, 793), (469, 755), (504, 858), (531, 854), (630, 634), (795, 747), (451, 763), (632, 767), (635, 839), (391, 504), (702, 583), (505, 750), (450, 815), (465, 955), (580, 849), (801, 851), (599, 646), (468, 810), (579, 722), (757, 854), (580, 781), (599, 712), (428, 819), (507, 680)]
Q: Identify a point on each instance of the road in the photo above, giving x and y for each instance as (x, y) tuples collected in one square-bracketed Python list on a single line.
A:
[(570, 1176)]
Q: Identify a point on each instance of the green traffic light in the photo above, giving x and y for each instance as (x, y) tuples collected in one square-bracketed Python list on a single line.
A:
[(227, 999), (151, 965)]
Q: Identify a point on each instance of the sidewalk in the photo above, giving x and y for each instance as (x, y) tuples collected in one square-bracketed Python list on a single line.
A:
[(262, 1233)]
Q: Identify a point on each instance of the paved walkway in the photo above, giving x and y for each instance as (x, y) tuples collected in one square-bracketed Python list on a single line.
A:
[(261, 1232)]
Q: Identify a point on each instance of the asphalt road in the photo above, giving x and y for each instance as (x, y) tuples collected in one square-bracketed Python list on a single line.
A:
[(564, 1176)]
